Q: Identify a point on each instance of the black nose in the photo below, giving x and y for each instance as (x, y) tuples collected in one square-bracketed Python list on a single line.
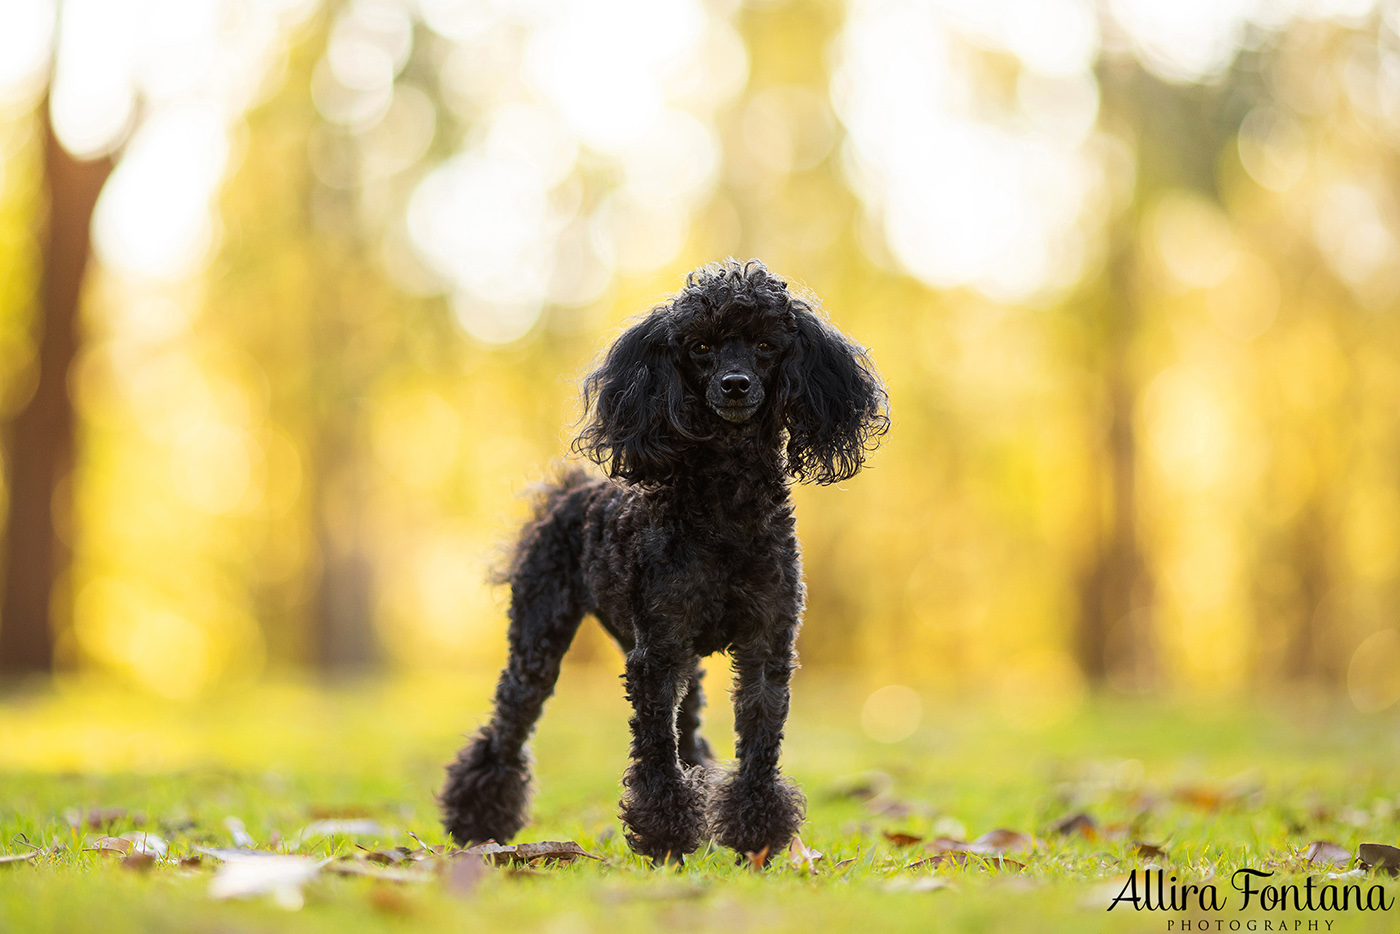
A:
[(735, 385)]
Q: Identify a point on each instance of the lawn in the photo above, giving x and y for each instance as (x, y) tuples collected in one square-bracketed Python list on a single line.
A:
[(1200, 789)]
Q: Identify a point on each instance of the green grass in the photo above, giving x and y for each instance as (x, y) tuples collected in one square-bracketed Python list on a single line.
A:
[(1219, 786)]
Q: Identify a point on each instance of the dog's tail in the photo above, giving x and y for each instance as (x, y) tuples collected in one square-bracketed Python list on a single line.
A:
[(548, 499)]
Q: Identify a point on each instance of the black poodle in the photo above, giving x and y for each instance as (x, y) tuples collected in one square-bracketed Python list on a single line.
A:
[(702, 413)]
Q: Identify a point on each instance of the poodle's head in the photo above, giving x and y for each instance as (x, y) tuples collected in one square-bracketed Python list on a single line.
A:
[(734, 355)]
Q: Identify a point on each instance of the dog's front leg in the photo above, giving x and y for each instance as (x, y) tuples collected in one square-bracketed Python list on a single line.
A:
[(756, 809), (663, 802)]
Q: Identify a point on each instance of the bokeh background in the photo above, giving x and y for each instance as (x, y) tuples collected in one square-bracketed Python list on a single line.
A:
[(294, 296)]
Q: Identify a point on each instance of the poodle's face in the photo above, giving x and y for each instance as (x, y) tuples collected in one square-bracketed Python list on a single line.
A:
[(730, 361), (734, 358)]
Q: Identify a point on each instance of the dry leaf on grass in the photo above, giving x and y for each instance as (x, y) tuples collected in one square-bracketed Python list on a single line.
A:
[(802, 855), (246, 873), (110, 846), (1380, 856), (1080, 825), (901, 838), (1209, 796), (392, 857), (10, 858), (758, 860), (1325, 854), (139, 862), (1148, 850), (564, 851)]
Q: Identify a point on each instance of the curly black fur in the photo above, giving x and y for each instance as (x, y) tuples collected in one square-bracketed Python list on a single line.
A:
[(702, 413)]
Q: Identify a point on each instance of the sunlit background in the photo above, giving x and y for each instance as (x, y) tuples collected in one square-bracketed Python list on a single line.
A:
[(1131, 269)]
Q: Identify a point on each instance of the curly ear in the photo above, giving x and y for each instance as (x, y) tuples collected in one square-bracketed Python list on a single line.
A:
[(836, 405), (634, 405)]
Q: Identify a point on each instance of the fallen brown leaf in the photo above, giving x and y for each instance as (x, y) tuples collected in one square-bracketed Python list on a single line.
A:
[(1080, 824), (1380, 856), (139, 862), (1328, 855), (1201, 797), (565, 851), (392, 857), (1149, 850), (758, 860), (900, 838), (1213, 796), (110, 846)]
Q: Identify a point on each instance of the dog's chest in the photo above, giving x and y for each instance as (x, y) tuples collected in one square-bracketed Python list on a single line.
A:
[(742, 591)]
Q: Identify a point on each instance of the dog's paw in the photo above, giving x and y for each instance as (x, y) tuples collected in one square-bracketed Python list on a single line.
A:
[(487, 797), (753, 817), (664, 813)]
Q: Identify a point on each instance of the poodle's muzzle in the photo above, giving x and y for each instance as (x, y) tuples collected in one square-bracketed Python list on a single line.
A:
[(735, 395)]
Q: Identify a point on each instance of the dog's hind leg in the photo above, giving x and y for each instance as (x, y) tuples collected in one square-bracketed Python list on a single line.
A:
[(487, 794), (692, 746)]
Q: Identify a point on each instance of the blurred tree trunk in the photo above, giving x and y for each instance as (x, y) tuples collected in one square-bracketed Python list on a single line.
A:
[(42, 438), (1114, 638), (343, 633), (1309, 653)]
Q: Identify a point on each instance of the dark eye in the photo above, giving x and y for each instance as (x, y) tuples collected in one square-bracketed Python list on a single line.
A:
[(700, 347), (764, 346)]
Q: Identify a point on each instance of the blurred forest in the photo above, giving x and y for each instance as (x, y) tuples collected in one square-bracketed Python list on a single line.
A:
[(1131, 269)]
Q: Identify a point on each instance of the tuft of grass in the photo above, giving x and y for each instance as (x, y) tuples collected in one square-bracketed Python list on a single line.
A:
[(1199, 790)]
